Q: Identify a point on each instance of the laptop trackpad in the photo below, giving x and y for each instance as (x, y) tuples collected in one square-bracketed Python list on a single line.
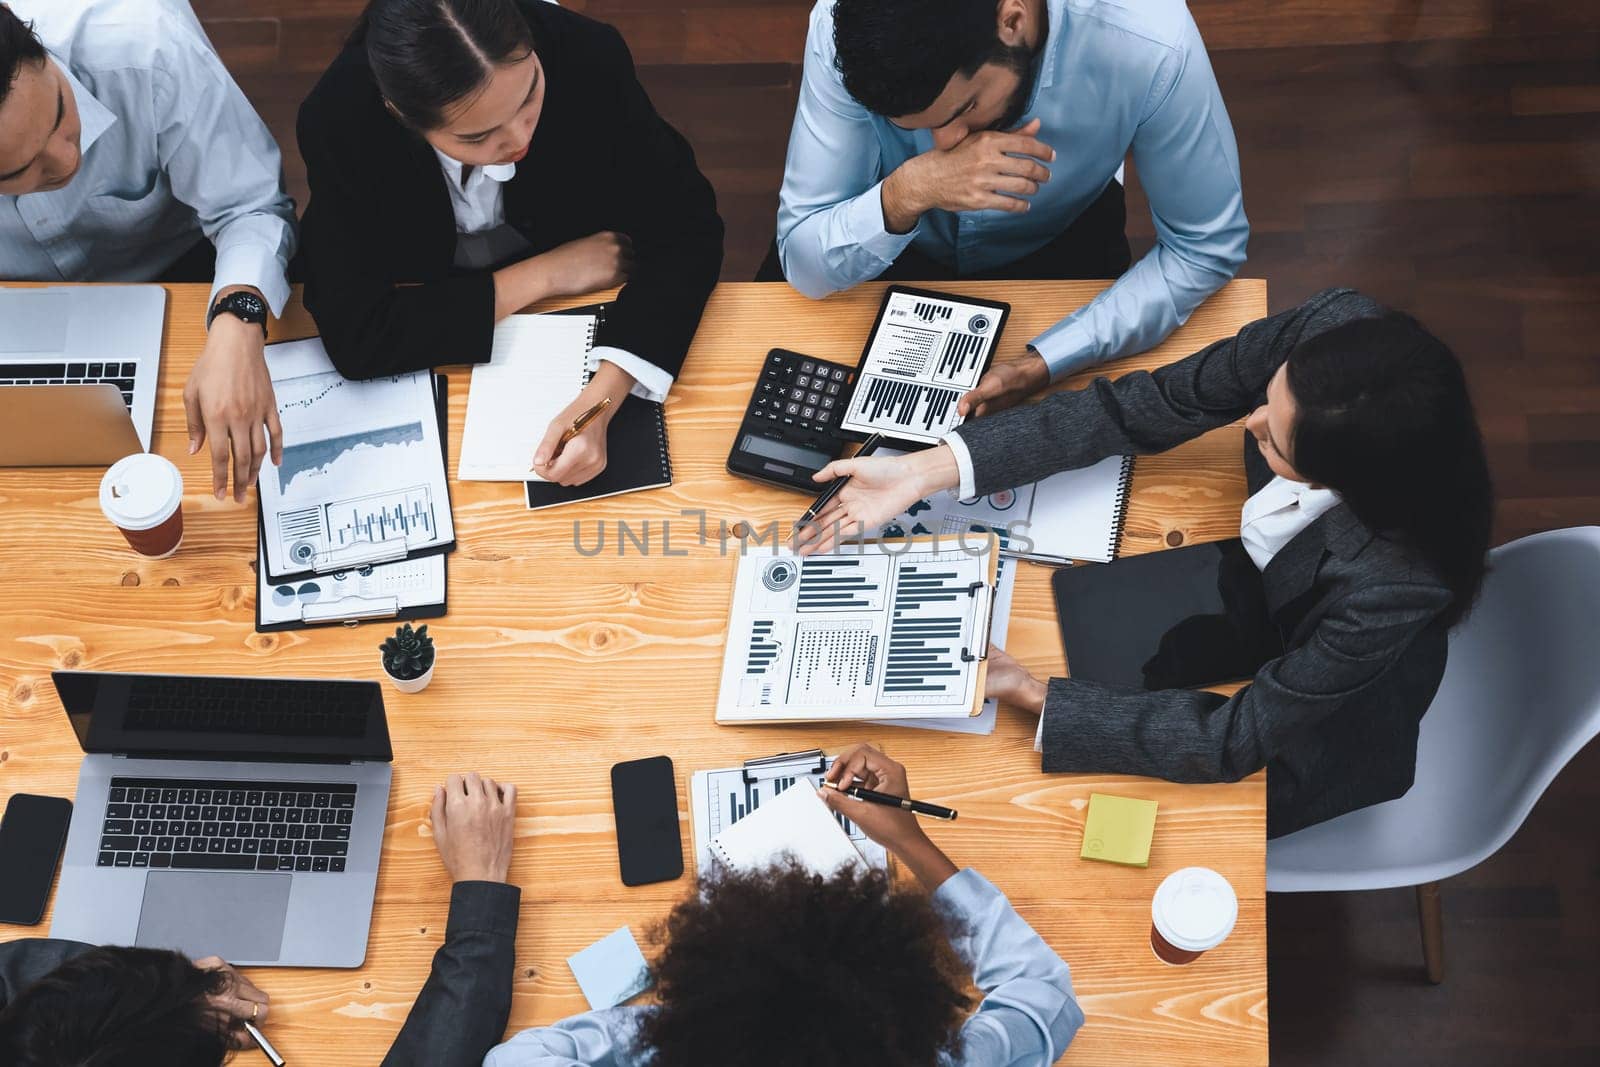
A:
[(235, 916), (35, 321)]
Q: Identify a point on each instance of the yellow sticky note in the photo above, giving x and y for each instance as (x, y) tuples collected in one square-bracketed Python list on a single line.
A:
[(1118, 830)]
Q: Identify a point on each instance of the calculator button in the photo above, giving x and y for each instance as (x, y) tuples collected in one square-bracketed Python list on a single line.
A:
[(807, 367), (766, 387), (833, 388), (788, 422), (822, 419), (792, 409), (838, 374), (797, 394), (827, 403), (812, 398), (808, 413), (804, 381)]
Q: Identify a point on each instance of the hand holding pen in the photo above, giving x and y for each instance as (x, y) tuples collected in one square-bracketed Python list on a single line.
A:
[(885, 821)]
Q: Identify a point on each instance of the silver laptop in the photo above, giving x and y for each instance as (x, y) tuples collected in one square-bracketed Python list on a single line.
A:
[(232, 817), (81, 335)]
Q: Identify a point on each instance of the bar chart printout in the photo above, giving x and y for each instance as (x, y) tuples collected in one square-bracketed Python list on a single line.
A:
[(895, 628), (720, 798)]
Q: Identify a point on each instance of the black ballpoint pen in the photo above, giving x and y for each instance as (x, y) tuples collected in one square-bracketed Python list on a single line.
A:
[(889, 800), (837, 484)]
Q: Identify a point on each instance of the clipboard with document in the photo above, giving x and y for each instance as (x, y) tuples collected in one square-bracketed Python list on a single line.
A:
[(362, 480)]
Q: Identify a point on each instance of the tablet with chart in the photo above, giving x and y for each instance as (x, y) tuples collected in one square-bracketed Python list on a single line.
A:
[(879, 629), (362, 478), (926, 350)]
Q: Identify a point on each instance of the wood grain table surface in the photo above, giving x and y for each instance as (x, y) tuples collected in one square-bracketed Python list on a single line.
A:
[(553, 665)]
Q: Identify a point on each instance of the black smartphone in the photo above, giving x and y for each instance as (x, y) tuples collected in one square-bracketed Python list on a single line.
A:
[(33, 832), (644, 798)]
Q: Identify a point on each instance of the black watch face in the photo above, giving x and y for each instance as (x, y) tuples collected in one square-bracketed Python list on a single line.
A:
[(247, 303)]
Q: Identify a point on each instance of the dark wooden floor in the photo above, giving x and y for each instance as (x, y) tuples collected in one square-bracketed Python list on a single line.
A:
[(1443, 155)]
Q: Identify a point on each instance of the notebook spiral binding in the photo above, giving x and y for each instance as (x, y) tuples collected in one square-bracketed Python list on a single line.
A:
[(661, 436), (1120, 511)]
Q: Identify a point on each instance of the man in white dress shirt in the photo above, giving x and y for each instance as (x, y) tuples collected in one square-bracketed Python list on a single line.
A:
[(124, 147)]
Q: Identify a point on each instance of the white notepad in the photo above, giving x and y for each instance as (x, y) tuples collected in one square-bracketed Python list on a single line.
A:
[(539, 365), (795, 822), (1078, 514)]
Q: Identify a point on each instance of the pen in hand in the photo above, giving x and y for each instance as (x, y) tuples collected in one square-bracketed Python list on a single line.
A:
[(888, 800), (264, 1045), (579, 424), (867, 448)]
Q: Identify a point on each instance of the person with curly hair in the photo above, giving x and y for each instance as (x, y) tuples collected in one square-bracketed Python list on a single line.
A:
[(787, 968)]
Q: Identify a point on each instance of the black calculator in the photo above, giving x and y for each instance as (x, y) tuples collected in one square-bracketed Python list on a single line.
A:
[(789, 431)]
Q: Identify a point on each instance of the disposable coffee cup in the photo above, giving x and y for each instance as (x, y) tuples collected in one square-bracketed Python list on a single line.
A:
[(142, 495), (1193, 911)]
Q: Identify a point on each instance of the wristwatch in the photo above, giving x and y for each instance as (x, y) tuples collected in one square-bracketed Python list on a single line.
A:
[(246, 306)]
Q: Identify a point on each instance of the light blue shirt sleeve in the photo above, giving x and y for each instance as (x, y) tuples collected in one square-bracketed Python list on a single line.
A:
[(1028, 1015), (1027, 1018), (1188, 163), (593, 1039), (831, 234), (223, 163)]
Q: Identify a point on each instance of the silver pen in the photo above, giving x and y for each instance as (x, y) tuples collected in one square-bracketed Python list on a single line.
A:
[(265, 1045)]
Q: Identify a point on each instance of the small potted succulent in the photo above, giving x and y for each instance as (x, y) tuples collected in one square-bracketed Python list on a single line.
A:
[(408, 659)]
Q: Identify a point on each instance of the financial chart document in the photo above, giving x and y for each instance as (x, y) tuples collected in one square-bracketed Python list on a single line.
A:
[(362, 477), (719, 798), (924, 355), (884, 628)]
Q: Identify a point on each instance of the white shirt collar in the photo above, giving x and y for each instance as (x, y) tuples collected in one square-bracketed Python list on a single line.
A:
[(498, 172), (93, 116)]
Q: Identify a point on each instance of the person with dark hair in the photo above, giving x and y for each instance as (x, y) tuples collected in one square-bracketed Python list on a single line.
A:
[(943, 139), (128, 154), (787, 968), (470, 157), (1369, 521), (62, 1002)]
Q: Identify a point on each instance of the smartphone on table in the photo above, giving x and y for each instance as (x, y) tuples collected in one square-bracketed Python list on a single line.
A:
[(644, 798), (33, 832)]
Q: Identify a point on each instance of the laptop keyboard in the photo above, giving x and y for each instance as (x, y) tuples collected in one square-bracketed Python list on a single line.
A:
[(120, 375), (194, 824)]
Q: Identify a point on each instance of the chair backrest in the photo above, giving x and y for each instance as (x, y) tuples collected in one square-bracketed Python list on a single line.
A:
[(1520, 697)]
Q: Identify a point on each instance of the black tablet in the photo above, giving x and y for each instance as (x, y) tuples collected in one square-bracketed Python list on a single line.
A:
[(926, 350)]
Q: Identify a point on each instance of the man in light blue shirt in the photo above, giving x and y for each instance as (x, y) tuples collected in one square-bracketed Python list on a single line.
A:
[(786, 967), (125, 147), (984, 138)]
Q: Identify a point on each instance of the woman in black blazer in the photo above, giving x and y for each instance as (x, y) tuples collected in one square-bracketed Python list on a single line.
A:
[(1369, 518), (469, 157)]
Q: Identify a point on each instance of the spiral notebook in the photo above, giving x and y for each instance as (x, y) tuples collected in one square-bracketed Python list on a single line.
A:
[(1071, 515), (1077, 515), (538, 366), (636, 459), (796, 823)]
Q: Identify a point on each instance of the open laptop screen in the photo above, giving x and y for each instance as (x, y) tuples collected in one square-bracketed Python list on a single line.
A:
[(201, 717)]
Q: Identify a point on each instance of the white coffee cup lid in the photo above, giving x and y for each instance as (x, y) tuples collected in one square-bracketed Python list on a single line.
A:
[(1194, 909), (141, 491)]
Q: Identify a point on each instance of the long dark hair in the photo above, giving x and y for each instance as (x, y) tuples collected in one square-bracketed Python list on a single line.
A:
[(117, 1007), (427, 54), (1384, 418)]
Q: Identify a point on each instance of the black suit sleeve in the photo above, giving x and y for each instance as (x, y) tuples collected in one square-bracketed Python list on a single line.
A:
[(1192, 736), (669, 210), (371, 322), (461, 1012), (1147, 412)]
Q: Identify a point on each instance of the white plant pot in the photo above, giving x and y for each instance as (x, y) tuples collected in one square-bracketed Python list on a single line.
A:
[(412, 685)]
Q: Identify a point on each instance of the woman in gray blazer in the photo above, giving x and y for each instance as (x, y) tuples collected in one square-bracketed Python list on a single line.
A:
[(1369, 518)]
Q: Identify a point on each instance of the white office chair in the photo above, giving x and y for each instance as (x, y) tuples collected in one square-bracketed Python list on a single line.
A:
[(1520, 697)]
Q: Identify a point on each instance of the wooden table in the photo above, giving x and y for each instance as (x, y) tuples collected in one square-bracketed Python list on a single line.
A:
[(553, 666)]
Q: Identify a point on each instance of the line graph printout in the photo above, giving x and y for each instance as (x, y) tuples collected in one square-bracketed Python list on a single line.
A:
[(362, 477), (720, 798), (879, 629), (925, 352)]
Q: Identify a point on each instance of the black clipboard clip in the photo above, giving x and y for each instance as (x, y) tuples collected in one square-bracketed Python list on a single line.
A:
[(784, 759)]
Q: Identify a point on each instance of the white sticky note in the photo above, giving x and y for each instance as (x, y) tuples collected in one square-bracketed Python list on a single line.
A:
[(611, 970)]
